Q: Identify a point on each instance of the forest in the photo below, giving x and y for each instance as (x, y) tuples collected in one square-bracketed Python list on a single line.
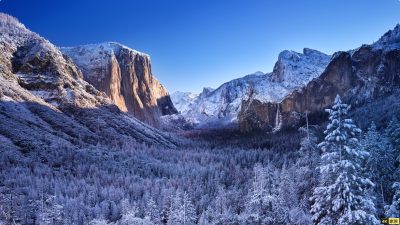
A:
[(333, 173)]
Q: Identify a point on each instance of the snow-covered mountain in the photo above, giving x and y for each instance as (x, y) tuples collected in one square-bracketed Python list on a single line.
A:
[(220, 107), (125, 75), (364, 76), (183, 100), (45, 101)]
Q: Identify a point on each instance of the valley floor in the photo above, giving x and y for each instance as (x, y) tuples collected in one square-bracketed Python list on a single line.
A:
[(211, 178), (78, 186)]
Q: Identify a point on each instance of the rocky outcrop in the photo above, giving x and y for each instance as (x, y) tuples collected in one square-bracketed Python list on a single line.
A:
[(366, 73), (125, 76), (220, 108), (45, 102)]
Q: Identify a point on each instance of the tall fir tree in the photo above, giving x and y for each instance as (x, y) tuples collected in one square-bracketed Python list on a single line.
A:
[(262, 197), (182, 211), (393, 132), (380, 164), (152, 211), (342, 195)]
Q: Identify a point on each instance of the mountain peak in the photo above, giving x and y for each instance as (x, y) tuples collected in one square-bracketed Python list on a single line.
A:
[(99, 48), (309, 51), (390, 38), (7, 20), (294, 67), (258, 73)]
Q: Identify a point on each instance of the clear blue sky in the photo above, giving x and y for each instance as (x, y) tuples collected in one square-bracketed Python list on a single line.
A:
[(198, 43)]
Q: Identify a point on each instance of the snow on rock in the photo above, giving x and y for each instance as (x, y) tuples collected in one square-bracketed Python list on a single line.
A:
[(45, 101), (220, 107), (89, 57), (390, 40), (183, 100), (296, 69), (125, 76)]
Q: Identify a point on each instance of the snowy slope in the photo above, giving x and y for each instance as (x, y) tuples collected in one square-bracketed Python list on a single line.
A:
[(220, 107), (390, 40), (183, 100), (44, 100)]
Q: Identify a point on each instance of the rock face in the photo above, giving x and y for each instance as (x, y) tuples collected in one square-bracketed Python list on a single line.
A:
[(219, 108), (366, 73), (125, 76), (45, 102)]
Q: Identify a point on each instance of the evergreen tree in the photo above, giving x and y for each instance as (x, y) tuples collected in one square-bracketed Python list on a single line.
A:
[(188, 210), (51, 213), (182, 211), (152, 211), (98, 222), (306, 166), (130, 215), (380, 163), (342, 196), (259, 207), (393, 132), (393, 210)]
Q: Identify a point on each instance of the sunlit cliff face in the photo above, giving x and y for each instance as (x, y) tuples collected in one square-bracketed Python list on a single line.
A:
[(125, 76)]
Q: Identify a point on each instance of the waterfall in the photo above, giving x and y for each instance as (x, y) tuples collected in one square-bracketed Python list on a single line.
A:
[(278, 119)]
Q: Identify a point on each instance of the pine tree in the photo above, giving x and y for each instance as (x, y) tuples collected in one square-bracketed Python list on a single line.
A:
[(261, 199), (52, 212), (174, 215), (393, 210), (182, 211), (98, 222), (152, 211), (393, 132), (341, 196), (130, 215), (380, 163), (189, 212), (219, 211)]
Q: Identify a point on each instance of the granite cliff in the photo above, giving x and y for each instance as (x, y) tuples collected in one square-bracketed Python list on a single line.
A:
[(45, 102), (125, 76), (361, 75)]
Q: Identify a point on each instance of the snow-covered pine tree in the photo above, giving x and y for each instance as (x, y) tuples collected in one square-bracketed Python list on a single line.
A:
[(175, 215), (341, 196), (393, 210), (130, 215), (393, 132), (52, 212), (152, 211), (98, 222), (219, 211), (188, 210), (261, 199), (182, 211), (380, 164)]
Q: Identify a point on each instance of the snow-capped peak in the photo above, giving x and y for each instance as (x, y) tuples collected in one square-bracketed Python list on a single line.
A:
[(390, 39), (297, 68), (102, 47), (220, 107), (7, 20), (92, 56), (183, 100)]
